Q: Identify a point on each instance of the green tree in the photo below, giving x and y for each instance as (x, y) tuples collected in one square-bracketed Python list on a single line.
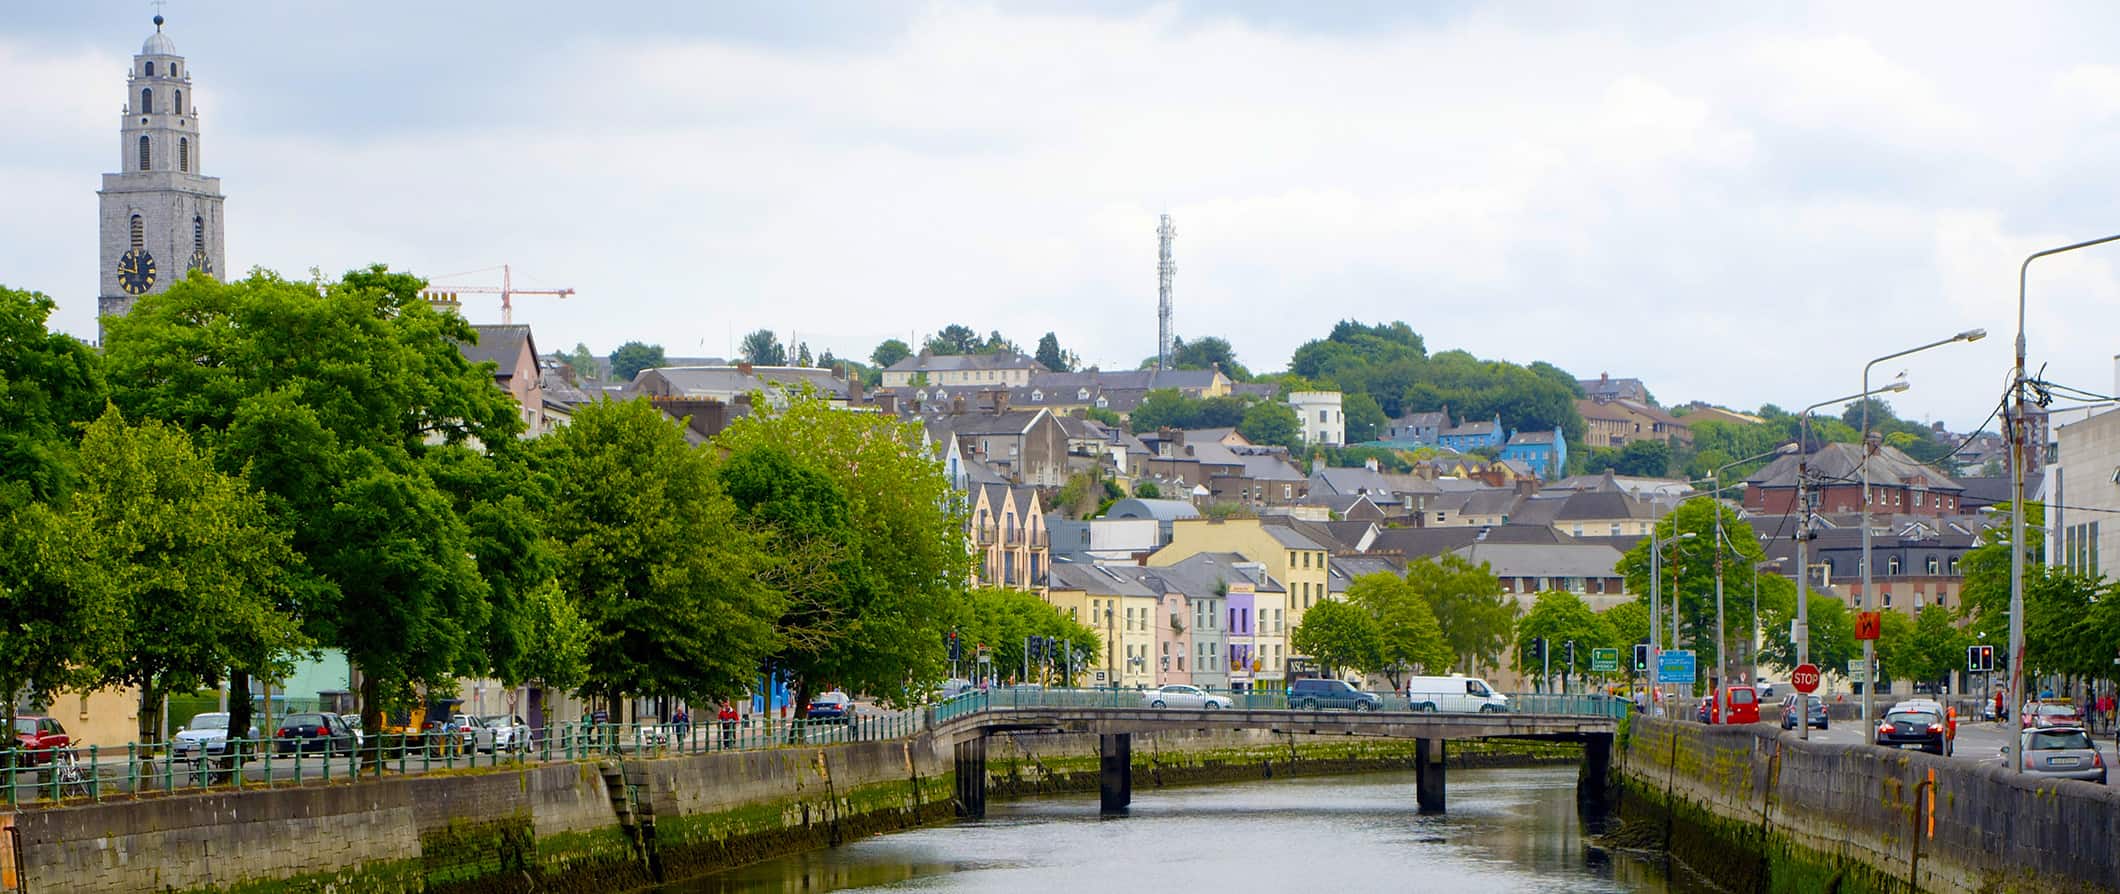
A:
[(1408, 637), (1050, 355), (1147, 490), (1210, 352), (1337, 635), (1833, 642), (762, 348), (802, 355), (48, 383), (660, 563), (1688, 570), (582, 362), (889, 353), (1365, 419), (1641, 459), (1895, 658), (954, 339), (331, 405), (1004, 618), (200, 576), (904, 529), (1271, 423), (632, 357), (1475, 615), (1559, 618), (1629, 622)]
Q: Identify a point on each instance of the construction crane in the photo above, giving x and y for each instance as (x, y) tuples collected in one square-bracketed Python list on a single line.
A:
[(506, 290)]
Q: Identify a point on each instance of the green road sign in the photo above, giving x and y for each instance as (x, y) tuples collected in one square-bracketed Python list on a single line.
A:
[(1604, 659)]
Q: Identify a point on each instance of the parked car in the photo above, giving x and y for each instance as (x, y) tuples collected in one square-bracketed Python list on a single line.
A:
[(460, 734), (1817, 712), (205, 736), (314, 731), (1455, 692), (1914, 725), (2043, 715), (40, 738), (510, 733), (1705, 711), (1316, 693), (1179, 695), (833, 705), (2062, 752)]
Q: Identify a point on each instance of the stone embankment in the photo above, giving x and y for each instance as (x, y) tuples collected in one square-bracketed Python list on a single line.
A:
[(613, 825)]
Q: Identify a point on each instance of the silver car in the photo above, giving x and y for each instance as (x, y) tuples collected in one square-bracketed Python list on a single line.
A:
[(1179, 695), (510, 733), (2062, 752), (205, 736)]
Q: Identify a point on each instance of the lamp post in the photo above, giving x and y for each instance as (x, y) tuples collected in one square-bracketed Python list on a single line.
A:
[(1869, 597), (1656, 586), (2013, 428), (1803, 531), (1722, 639)]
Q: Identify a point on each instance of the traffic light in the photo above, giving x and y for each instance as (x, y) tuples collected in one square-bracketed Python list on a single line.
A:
[(956, 647), (1571, 653), (1037, 645), (1538, 650), (1641, 656), (1980, 659)]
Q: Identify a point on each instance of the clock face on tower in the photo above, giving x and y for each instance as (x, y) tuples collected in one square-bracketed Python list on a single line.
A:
[(199, 261), (136, 272)]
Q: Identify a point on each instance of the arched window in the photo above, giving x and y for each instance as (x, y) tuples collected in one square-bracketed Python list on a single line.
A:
[(143, 152), (150, 68), (147, 101), (198, 233), (184, 154), (139, 235), (176, 103)]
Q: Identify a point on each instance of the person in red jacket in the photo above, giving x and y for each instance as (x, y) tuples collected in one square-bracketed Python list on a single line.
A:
[(728, 719)]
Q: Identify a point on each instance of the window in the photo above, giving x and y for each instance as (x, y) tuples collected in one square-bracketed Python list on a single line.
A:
[(147, 101), (184, 153), (143, 152), (1891, 565), (176, 102), (1615, 530), (1321, 416), (139, 238), (150, 68), (198, 233), (1934, 565), (1578, 530)]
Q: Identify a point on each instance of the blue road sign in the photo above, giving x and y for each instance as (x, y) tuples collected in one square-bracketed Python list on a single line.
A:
[(1674, 666)]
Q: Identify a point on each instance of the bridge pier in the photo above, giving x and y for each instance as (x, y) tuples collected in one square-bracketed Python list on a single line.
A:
[(971, 778), (1593, 788), (1115, 760), (1428, 767)]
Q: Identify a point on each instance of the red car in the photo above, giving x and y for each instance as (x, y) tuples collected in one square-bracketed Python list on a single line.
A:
[(2043, 715), (40, 738)]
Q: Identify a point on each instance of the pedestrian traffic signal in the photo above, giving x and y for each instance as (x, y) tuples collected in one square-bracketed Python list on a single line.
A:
[(1037, 646), (1641, 656)]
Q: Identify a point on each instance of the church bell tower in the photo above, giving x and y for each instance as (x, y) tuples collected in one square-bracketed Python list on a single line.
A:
[(161, 218)]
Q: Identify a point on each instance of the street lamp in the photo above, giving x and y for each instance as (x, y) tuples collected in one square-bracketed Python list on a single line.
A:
[(2013, 425), (1869, 599), (1803, 531), (1722, 639), (1656, 585)]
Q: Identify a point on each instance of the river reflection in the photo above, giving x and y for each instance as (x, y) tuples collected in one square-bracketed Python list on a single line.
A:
[(1507, 830)]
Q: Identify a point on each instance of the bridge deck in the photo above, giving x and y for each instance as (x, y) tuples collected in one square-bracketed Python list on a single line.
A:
[(1111, 721)]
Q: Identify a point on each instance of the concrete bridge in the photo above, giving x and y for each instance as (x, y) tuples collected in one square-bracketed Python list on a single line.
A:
[(965, 723)]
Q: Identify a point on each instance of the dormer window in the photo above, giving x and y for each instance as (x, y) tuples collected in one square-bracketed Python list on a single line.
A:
[(1083, 394), (1037, 396)]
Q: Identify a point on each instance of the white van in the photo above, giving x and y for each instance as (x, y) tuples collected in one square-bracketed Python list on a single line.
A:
[(1456, 693)]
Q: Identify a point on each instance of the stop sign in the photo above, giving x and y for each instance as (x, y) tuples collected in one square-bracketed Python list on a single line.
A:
[(1804, 678)]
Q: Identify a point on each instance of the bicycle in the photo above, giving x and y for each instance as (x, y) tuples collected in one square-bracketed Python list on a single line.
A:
[(70, 778)]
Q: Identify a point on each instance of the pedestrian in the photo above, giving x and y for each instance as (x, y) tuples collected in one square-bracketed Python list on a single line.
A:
[(2001, 716), (728, 718), (682, 722)]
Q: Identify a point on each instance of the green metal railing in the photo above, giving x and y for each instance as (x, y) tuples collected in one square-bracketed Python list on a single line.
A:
[(1453, 701)]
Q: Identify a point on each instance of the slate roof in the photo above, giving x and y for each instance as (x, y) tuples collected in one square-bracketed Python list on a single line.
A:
[(1132, 379), (1342, 570), (925, 362), (1198, 575), (1160, 510), (1531, 437), (501, 344), (1842, 462), (1416, 543), (1103, 580), (720, 381), (1545, 560), (1358, 480), (971, 424)]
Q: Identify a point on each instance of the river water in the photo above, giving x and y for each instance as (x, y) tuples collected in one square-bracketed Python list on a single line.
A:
[(1506, 830)]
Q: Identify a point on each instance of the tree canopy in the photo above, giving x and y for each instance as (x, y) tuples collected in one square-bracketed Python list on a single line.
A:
[(762, 348), (632, 357)]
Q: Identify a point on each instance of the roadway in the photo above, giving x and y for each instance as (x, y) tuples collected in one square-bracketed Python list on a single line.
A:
[(1978, 740)]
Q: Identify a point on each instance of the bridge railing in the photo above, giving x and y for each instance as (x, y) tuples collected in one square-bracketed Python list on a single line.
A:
[(1452, 702)]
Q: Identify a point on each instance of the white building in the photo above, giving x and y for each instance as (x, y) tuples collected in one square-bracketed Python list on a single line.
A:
[(1320, 417)]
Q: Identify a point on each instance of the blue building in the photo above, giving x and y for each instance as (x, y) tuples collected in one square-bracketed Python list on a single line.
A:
[(1469, 436), (1545, 452)]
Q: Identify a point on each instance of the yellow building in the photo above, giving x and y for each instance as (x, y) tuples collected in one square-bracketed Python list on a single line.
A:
[(1121, 607), (1297, 561)]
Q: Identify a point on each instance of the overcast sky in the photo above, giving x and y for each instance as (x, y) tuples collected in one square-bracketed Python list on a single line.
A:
[(1739, 204)]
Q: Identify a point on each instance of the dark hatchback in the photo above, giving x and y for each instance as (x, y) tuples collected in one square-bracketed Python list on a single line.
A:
[(1315, 693), (1925, 729), (314, 732)]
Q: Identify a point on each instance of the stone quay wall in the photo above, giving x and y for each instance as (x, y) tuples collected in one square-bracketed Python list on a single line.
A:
[(1760, 810)]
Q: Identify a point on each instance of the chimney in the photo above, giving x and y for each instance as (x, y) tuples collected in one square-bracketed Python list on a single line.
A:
[(957, 405), (887, 402), (743, 366), (915, 403), (1370, 464), (2116, 375), (1000, 402)]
